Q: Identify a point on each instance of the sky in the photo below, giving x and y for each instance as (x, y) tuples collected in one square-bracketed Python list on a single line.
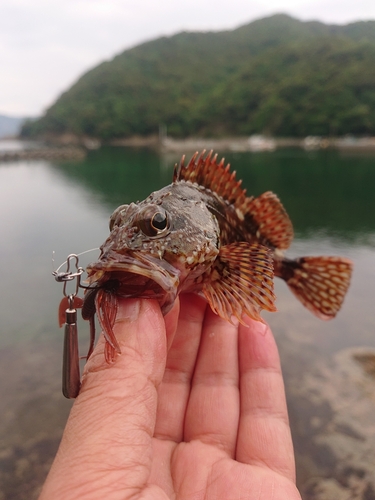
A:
[(46, 45)]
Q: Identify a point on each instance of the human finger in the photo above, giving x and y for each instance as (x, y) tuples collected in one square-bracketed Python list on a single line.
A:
[(213, 409), (174, 391), (107, 441), (264, 436), (171, 322)]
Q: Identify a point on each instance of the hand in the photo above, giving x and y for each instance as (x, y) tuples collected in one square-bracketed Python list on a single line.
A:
[(194, 408)]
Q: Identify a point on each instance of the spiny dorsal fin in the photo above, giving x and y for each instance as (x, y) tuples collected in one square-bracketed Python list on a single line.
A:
[(266, 217), (320, 283), (208, 173), (241, 281)]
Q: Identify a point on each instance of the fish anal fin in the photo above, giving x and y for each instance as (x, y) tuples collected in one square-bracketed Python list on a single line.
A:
[(320, 283), (208, 173), (267, 218), (241, 281)]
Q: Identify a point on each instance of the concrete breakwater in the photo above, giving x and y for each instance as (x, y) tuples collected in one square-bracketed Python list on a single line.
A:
[(44, 153), (74, 148), (257, 143)]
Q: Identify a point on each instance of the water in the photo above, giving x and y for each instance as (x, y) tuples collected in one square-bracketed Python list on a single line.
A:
[(65, 208)]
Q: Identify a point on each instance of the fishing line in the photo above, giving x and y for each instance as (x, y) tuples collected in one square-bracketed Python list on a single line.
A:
[(77, 255)]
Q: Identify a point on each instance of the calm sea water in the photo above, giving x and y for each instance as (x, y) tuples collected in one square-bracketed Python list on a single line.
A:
[(64, 208)]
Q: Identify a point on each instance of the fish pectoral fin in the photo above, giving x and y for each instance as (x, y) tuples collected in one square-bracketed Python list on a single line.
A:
[(266, 217), (320, 283), (241, 281)]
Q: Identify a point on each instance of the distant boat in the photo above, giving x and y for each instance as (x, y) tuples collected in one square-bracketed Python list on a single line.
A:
[(261, 143), (312, 142), (90, 143)]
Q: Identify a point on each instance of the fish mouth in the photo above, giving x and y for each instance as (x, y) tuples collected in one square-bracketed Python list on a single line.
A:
[(136, 275)]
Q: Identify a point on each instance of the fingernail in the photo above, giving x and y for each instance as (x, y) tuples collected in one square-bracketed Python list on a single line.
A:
[(262, 328), (128, 310), (259, 327)]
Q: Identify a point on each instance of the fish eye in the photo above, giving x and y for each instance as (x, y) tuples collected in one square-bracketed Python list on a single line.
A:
[(153, 223), (159, 221)]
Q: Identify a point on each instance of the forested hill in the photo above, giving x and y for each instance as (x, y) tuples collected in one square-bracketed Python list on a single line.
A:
[(276, 75)]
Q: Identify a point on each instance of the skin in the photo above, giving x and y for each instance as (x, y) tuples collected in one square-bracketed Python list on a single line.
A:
[(194, 408)]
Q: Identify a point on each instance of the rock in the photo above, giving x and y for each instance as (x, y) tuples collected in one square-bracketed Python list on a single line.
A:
[(335, 449)]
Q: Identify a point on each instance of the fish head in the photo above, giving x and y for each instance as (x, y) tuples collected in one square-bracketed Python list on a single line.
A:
[(158, 247)]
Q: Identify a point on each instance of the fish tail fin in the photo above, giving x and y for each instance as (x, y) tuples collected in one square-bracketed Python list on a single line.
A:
[(320, 283)]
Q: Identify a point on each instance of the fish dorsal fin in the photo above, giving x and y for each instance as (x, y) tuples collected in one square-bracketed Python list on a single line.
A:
[(266, 217), (208, 173), (241, 281)]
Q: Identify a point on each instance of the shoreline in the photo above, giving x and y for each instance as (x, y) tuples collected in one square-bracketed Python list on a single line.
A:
[(43, 153), (74, 148), (258, 143)]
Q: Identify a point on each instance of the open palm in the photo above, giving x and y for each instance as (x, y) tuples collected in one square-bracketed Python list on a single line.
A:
[(194, 408)]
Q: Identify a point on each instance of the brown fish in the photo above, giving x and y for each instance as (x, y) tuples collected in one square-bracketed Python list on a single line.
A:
[(203, 234)]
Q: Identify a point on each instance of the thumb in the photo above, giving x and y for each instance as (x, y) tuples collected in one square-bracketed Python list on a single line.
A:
[(107, 440), (140, 331)]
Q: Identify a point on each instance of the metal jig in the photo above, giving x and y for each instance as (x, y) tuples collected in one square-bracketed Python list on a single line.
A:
[(71, 378), (71, 381)]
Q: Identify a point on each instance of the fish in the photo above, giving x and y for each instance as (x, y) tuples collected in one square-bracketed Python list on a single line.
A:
[(203, 234)]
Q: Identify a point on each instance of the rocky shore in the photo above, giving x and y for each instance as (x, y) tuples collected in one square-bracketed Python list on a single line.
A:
[(331, 408)]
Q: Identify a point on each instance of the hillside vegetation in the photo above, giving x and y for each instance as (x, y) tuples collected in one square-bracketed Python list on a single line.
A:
[(276, 75)]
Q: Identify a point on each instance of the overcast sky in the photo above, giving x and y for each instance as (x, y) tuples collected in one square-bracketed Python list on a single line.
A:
[(46, 45)]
